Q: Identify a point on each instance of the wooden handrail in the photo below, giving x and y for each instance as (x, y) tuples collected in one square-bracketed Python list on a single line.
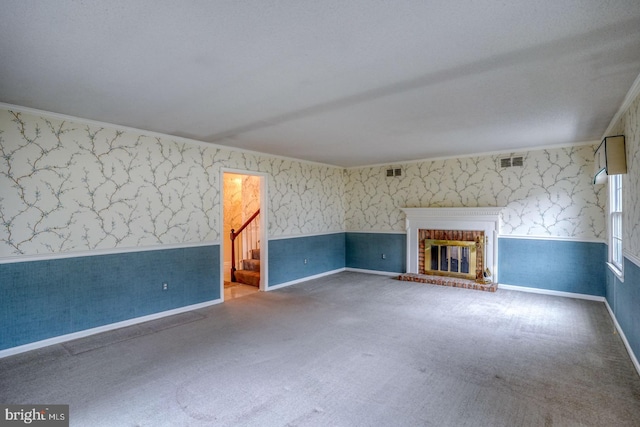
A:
[(233, 236), (236, 234)]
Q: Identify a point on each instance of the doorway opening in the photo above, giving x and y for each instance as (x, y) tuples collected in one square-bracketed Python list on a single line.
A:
[(243, 234)]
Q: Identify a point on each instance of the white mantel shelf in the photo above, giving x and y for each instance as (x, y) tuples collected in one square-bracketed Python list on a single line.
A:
[(485, 219)]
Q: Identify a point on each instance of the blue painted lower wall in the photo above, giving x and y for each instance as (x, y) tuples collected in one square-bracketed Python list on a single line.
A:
[(44, 299), (287, 257), (557, 265), (624, 300), (364, 251)]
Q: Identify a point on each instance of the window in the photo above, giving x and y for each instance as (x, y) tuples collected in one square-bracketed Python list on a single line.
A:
[(615, 223)]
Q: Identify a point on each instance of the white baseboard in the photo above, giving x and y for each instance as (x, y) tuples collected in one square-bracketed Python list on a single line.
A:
[(550, 292), (632, 355), (304, 279), (87, 332), (378, 272)]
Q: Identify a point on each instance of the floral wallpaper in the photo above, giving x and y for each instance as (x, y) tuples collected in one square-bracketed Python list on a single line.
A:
[(67, 186), (232, 184), (250, 196), (551, 195), (629, 126)]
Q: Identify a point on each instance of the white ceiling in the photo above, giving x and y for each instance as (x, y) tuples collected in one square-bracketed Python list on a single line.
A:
[(346, 83)]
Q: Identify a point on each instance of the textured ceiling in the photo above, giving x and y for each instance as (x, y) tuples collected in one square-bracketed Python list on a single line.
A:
[(346, 83)]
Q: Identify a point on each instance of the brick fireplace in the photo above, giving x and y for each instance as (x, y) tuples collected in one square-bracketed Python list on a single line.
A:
[(453, 246)]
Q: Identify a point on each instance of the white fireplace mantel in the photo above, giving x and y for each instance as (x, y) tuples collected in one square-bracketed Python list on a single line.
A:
[(481, 219)]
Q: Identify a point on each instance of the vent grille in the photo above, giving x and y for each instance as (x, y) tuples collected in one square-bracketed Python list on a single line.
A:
[(513, 160), (394, 172)]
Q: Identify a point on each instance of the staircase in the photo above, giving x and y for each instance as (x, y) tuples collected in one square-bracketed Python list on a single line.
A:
[(249, 245), (249, 272)]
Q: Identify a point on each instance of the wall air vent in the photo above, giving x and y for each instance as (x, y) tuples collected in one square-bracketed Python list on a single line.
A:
[(513, 160), (517, 161), (394, 172)]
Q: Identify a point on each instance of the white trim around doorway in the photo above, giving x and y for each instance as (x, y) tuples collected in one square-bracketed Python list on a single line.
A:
[(264, 209)]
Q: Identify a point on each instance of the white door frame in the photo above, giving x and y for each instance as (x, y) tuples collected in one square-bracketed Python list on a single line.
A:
[(264, 209)]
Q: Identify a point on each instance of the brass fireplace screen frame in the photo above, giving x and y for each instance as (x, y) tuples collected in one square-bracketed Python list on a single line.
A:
[(455, 258)]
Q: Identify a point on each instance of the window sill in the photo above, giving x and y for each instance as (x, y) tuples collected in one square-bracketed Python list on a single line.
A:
[(618, 273)]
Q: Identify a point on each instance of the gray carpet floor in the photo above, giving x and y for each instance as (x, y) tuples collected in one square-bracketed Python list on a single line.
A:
[(349, 349)]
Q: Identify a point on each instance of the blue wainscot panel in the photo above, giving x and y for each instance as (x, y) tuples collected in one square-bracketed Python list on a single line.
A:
[(365, 251), (45, 299), (556, 265), (624, 300), (287, 257)]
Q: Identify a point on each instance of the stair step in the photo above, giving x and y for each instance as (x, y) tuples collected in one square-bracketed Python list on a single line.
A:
[(248, 277), (255, 253), (251, 264)]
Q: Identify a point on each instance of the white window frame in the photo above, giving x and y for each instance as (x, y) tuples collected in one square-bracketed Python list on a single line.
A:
[(614, 219)]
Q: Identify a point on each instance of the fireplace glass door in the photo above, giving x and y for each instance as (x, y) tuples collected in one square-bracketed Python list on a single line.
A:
[(450, 258)]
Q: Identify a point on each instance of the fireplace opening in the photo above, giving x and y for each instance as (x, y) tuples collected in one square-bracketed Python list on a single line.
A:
[(453, 253), (455, 258)]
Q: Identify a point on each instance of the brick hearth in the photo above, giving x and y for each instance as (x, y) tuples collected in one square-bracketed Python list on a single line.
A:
[(449, 281)]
